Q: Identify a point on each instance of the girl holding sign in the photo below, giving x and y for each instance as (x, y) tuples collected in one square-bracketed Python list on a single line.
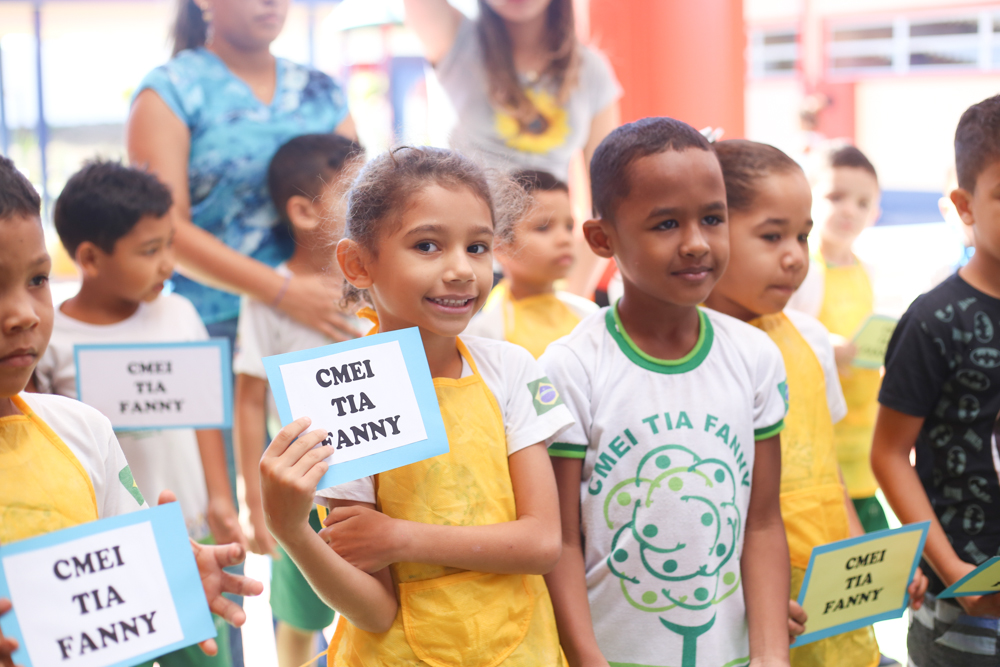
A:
[(459, 542)]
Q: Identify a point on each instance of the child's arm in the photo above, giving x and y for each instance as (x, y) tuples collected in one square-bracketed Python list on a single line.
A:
[(7, 645), (222, 517), (531, 544), (765, 574), (249, 434), (855, 529), (567, 581), (289, 472), (895, 435)]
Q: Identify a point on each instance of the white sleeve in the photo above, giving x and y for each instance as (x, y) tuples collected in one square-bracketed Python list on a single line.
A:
[(251, 339), (533, 408), (564, 368), (808, 298), (121, 493), (770, 391), (191, 318), (819, 340), (360, 490)]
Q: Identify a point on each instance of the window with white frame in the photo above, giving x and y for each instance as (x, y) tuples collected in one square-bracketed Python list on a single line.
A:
[(909, 44), (774, 52)]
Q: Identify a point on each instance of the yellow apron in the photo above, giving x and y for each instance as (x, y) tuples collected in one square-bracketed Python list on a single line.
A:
[(812, 498), (848, 300), (43, 486), (533, 322), (449, 617)]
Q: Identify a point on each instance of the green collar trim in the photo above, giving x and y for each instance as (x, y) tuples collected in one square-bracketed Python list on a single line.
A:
[(689, 362)]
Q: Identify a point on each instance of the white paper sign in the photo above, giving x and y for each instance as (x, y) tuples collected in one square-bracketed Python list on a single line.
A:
[(363, 397), (156, 386), (98, 600)]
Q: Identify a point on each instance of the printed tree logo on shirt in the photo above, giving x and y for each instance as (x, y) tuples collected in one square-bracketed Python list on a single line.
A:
[(674, 551)]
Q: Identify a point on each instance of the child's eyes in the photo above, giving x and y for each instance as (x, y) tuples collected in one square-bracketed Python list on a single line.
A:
[(478, 248), (773, 238), (667, 224), (426, 246), (713, 220), (542, 228), (39, 280), (803, 238)]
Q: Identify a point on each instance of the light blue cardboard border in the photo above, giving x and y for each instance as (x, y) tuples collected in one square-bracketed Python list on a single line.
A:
[(227, 377), (810, 637), (415, 358), (179, 567), (950, 591)]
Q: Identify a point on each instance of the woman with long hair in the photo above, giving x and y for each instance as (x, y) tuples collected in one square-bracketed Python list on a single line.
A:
[(207, 123), (527, 93)]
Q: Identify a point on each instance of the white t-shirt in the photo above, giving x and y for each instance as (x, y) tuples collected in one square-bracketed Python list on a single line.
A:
[(167, 459), (668, 456), (89, 436), (489, 322), (507, 370), (264, 331), (819, 340)]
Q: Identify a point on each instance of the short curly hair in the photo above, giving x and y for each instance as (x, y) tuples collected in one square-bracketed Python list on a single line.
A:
[(17, 196)]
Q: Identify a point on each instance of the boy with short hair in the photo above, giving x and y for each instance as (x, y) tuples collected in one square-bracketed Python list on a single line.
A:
[(838, 292), (525, 308), (60, 463), (941, 396), (669, 480), (114, 221), (308, 179)]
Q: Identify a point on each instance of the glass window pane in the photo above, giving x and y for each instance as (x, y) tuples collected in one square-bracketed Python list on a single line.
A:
[(857, 33), (780, 38), (966, 27), (862, 62)]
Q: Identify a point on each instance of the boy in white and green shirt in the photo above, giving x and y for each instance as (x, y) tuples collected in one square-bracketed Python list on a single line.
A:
[(671, 470)]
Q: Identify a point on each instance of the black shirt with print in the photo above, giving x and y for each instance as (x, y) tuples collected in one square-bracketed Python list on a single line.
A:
[(943, 364)]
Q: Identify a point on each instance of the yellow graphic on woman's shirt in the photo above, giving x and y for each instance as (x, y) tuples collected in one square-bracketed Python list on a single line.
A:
[(546, 132)]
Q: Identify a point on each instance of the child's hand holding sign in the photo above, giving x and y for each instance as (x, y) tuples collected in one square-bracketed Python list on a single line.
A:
[(7, 646)]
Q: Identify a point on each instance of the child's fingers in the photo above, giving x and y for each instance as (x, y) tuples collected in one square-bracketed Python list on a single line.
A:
[(286, 436), (304, 446), (237, 584), (209, 647), (309, 459), (166, 496), (228, 610)]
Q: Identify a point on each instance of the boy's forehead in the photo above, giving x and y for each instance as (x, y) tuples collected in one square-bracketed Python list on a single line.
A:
[(690, 174), (856, 177), (22, 242)]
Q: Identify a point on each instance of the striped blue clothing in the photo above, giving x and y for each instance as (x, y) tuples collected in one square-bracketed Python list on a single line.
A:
[(233, 138)]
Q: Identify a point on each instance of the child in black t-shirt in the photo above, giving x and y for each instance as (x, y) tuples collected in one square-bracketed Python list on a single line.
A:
[(941, 394)]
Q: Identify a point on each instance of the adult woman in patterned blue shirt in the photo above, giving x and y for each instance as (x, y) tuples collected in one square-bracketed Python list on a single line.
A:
[(207, 123)]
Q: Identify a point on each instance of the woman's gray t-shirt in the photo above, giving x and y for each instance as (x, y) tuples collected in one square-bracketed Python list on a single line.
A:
[(495, 137)]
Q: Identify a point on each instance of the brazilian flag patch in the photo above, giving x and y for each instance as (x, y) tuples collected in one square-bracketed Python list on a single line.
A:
[(544, 395), (125, 477), (783, 390)]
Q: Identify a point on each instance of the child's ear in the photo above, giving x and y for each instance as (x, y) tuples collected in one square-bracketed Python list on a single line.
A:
[(962, 199), (88, 257), (598, 238), (302, 213), (353, 261)]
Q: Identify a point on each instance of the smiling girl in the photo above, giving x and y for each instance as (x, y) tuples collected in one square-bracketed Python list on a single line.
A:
[(437, 562)]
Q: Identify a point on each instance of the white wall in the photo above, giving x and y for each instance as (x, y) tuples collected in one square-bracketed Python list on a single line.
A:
[(906, 124)]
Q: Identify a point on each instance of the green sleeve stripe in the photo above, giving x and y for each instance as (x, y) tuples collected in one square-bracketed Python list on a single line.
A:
[(769, 432), (566, 450)]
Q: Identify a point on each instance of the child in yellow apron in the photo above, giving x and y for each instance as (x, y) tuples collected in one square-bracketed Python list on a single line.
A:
[(480, 521), (60, 463), (848, 301), (525, 308), (768, 260)]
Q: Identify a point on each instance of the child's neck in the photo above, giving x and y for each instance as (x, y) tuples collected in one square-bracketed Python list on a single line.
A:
[(94, 305), (7, 407), (443, 357), (520, 289), (660, 329), (312, 255), (836, 254), (722, 303), (983, 273)]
